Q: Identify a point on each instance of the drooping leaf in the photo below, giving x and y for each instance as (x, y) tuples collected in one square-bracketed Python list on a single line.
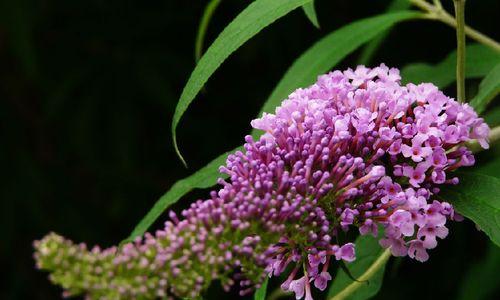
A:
[(258, 15), (371, 48), (337, 53), (203, 178), (477, 198), (330, 50), (368, 268), (479, 62), (310, 12), (260, 293), (491, 165), (492, 116), (488, 89), (482, 280)]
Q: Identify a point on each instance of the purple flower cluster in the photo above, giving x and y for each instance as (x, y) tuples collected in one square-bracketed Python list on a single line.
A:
[(354, 150)]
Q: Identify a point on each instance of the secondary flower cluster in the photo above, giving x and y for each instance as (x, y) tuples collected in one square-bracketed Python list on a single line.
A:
[(354, 150)]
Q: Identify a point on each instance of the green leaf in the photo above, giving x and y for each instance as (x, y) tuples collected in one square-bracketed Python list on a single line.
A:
[(482, 280), (258, 15), (492, 116), (368, 268), (480, 61), (203, 178), (337, 52), (202, 28), (310, 12), (330, 50), (488, 89), (369, 50), (260, 293), (477, 198), (492, 166)]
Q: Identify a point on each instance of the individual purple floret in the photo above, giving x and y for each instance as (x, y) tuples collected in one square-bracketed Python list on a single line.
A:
[(354, 151)]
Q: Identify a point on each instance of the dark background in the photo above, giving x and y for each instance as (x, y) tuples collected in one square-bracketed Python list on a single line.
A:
[(87, 92)]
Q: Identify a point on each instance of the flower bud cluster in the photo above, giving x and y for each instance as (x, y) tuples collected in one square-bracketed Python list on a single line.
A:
[(354, 150)]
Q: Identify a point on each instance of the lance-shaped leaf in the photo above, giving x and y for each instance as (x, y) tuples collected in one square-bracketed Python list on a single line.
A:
[(477, 198), (482, 280), (310, 12), (369, 50), (479, 61), (258, 15), (260, 293), (203, 178), (202, 28), (368, 268), (328, 52), (488, 90)]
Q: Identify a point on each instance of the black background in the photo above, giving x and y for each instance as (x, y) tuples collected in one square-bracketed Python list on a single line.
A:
[(87, 92)]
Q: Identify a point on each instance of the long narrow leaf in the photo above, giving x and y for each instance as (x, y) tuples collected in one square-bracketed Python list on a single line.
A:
[(323, 53), (260, 293), (310, 12), (488, 89), (368, 268), (202, 28), (371, 48), (329, 51), (482, 280), (203, 178), (477, 198), (480, 61), (258, 15)]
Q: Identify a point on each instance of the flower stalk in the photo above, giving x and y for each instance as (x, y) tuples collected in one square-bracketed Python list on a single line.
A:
[(460, 20), (437, 12)]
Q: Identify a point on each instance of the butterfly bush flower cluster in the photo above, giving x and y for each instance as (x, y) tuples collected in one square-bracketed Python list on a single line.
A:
[(355, 151)]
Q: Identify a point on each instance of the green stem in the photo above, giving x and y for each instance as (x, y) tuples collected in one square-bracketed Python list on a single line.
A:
[(438, 13), (202, 29), (379, 263), (460, 19)]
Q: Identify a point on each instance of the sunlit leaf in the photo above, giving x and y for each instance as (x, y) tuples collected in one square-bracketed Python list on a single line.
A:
[(368, 268), (477, 198), (310, 12), (488, 89), (258, 15), (479, 62)]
